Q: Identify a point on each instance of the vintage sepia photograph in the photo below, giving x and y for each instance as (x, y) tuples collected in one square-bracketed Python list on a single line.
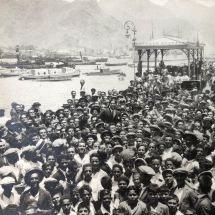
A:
[(107, 107)]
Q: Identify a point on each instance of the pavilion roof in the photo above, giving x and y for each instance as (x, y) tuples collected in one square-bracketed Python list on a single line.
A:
[(169, 42)]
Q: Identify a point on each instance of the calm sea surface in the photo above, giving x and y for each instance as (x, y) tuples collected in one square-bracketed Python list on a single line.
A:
[(53, 94)]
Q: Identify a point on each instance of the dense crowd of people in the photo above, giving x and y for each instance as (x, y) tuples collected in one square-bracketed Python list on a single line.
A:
[(149, 149)]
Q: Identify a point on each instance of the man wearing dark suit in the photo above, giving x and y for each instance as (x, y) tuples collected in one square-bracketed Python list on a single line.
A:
[(110, 114), (35, 200), (187, 196)]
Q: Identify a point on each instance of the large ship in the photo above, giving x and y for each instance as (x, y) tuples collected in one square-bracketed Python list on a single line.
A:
[(52, 74)]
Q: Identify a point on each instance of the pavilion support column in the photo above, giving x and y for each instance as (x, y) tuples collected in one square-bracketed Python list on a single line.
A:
[(148, 58), (194, 63), (139, 68), (197, 54), (188, 57), (156, 55), (162, 54), (201, 54)]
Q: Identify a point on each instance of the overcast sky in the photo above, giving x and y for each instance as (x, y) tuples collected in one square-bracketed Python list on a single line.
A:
[(208, 3)]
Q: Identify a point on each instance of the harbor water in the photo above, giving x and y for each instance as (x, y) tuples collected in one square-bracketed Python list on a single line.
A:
[(53, 94)]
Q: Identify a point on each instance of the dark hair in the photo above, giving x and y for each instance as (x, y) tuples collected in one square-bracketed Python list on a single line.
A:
[(103, 193), (83, 205), (45, 165), (83, 188), (124, 178), (173, 196), (118, 166), (95, 154), (63, 198), (132, 187), (157, 157)]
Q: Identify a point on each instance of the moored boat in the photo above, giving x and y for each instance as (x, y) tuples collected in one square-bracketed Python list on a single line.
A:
[(116, 64), (10, 72), (52, 74), (104, 71)]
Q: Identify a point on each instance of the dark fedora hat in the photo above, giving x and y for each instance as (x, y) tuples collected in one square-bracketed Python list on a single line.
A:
[(32, 171), (106, 133)]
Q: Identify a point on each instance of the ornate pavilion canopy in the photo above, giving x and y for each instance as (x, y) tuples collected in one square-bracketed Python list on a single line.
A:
[(162, 45)]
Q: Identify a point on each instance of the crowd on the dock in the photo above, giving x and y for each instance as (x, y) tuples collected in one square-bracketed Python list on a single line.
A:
[(146, 150)]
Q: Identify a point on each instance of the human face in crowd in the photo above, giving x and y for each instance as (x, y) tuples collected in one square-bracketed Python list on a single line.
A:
[(210, 114), (70, 132), (75, 197), (197, 126), (48, 170), (116, 173), (51, 159), (156, 164), (64, 123), (81, 148), (151, 147), (66, 206), (71, 152), (83, 211), (106, 200), (35, 139), (57, 129), (72, 123), (43, 133), (168, 178), (140, 125), (122, 185), (173, 206), (117, 155), (24, 118), (86, 196), (73, 93), (56, 200), (18, 108), (199, 151), (132, 197), (168, 142), (141, 151), (63, 164), (130, 128), (136, 180), (112, 105), (169, 164), (153, 197), (87, 173), (66, 112), (122, 134), (95, 163), (113, 129), (90, 142), (96, 145), (34, 181), (181, 125)]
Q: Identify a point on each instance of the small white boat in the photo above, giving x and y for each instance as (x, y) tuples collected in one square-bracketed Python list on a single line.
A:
[(9, 72)]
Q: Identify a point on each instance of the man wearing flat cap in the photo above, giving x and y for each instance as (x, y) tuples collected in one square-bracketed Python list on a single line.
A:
[(153, 203), (9, 196), (146, 174), (187, 196), (204, 204)]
